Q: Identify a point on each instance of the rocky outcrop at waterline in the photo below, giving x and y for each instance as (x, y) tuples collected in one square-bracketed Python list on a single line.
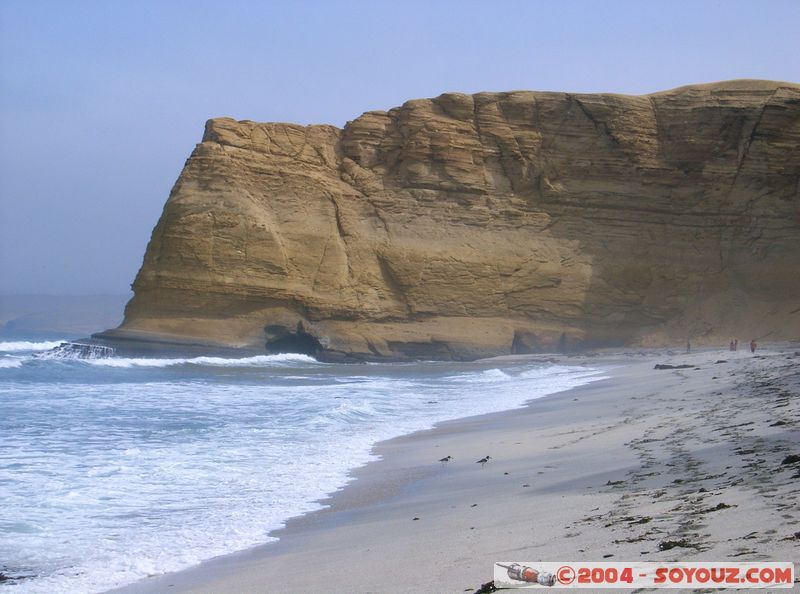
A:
[(472, 225)]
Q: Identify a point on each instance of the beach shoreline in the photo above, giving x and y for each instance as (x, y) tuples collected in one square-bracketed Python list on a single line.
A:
[(607, 471)]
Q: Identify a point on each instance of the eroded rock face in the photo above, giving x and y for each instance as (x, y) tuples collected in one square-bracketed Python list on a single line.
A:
[(474, 225)]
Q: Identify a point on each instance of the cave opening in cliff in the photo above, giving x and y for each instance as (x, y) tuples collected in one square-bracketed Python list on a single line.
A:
[(281, 339)]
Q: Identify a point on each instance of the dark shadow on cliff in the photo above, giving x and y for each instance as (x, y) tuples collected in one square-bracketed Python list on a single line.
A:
[(281, 339)]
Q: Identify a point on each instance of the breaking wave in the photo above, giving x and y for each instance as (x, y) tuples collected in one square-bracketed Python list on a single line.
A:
[(27, 346), (257, 361)]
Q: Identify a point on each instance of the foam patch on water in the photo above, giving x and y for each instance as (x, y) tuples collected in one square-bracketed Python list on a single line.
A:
[(27, 346), (493, 374), (10, 362)]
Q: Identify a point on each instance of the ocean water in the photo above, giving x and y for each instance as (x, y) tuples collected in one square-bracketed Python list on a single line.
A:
[(115, 469)]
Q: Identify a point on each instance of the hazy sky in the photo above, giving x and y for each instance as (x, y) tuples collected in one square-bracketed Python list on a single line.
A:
[(101, 102)]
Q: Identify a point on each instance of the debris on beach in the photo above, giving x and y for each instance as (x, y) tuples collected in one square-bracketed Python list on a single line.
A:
[(486, 588), (671, 544), (718, 507)]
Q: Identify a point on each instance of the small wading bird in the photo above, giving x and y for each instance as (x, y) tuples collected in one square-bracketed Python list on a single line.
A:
[(483, 461), (445, 460)]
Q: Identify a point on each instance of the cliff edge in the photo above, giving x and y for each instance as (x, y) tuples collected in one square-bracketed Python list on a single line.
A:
[(475, 225)]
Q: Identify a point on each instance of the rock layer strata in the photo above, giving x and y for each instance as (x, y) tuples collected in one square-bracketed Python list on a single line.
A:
[(474, 225)]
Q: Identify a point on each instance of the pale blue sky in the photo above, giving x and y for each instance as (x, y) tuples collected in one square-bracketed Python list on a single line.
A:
[(101, 102)]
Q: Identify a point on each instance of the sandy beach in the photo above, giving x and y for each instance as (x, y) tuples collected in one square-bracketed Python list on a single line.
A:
[(687, 463)]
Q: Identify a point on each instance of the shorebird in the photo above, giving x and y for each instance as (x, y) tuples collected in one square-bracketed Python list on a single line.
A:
[(445, 460), (483, 461)]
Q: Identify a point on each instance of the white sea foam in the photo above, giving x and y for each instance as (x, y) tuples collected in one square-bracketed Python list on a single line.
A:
[(493, 374), (10, 362), (257, 361), (27, 346), (111, 482)]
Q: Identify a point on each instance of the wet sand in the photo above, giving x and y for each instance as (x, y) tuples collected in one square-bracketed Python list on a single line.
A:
[(676, 464)]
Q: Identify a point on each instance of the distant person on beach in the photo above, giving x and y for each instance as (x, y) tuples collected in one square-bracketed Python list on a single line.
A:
[(735, 344), (688, 347), (753, 346), (730, 346)]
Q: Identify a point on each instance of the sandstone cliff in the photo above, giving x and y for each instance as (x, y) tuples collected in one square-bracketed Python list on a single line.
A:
[(474, 225)]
